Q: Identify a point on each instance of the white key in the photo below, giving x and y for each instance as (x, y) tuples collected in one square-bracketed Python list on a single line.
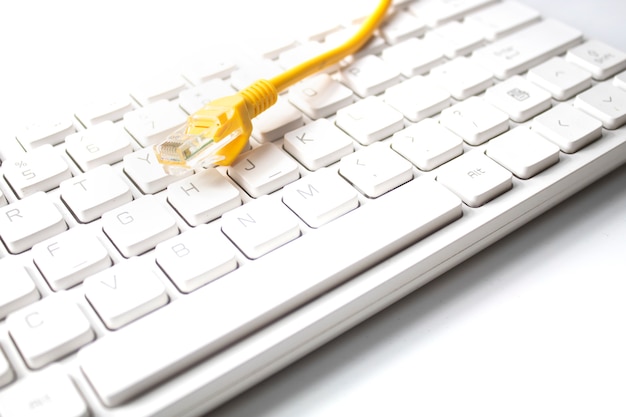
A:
[(17, 289), (375, 170), (526, 48), (263, 170), (153, 123), (93, 193), (318, 144), (46, 132), (401, 26), (320, 96), (475, 120), (106, 143), (166, 87), (196, 257), (475, 178), (67, 259), (139, 226), (117, 365), (49, 329), (602, 60), (200, 72), (561, 78), (369, 75), (606, 103), (620, 80), (274, 122), (124, 293), (243, 77), (373, 46), (203, 197), (41, 169), (146, 173), (260, 226), (3, 199), (427, 144), (417, 98), (29, 221), (301, 53), (111, 109), (270, 47), (436, 12), (568, 127), (519, 98), (462, 77), (455, 39), (193, 99), (502, 19), (369, 120), (320, 198), (6, 373), (50, 392), (523, 152), (413, 56)]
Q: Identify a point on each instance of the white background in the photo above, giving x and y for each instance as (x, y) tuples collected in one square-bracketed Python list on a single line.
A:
[(533, 326)]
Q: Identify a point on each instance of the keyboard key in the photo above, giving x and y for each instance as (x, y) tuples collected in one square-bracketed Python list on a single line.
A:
[(606, 103), (41, 169), (260, 226), (246, 75), (375, 170), (318, 144), (146, 173), (193, 99), (46, 132), (49, 330), (462, 77), (369, 120), (50, 392), (166, 87), (301, 53), (475, 120), (106, 143), (602, 60), (6, 373), (203, 197), (200, 72), (523, 152), (502, 19), (320, 96), (455, 39), (93, 193), (413, 56), (417, 98), (274, 122), (29, 221), (320, 197), (196, 257), (401, 26), (568, 127), (117, 365), (526, 48), (17, 289), (437, 12), (112, 109), (519, 98), (3, 199), (125, 292), (475, 178), (139, 226), (369, 75), (263, 170), (68, 258), (561, 78), (620, 80), (153, 123), (427, 144)]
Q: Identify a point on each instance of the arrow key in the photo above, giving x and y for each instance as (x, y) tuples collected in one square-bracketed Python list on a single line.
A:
[(606, 103), (568, 127), (561, 78)]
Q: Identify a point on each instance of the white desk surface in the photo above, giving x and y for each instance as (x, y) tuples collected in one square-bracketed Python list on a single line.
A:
[(533, 326)]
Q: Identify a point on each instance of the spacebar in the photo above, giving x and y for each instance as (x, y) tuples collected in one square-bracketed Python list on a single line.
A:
[(123, 364)]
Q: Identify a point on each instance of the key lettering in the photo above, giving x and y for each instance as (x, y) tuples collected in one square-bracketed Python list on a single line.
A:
[(306, 194), (112, 284), (475, 173), (251, 167), (125, 218), (53, 247), (13, 213), (191, 187), (243, 221), (34, 320), (28, 174), (82, 185), (146, 159), (180, 250)]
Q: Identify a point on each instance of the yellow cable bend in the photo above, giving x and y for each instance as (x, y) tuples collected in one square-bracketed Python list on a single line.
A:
[(310, 67)]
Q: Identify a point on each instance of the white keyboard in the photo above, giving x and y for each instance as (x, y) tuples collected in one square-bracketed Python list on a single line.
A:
[(128, 292)]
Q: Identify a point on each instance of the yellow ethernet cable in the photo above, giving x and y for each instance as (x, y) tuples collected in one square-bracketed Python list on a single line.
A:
[(219, 131)]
